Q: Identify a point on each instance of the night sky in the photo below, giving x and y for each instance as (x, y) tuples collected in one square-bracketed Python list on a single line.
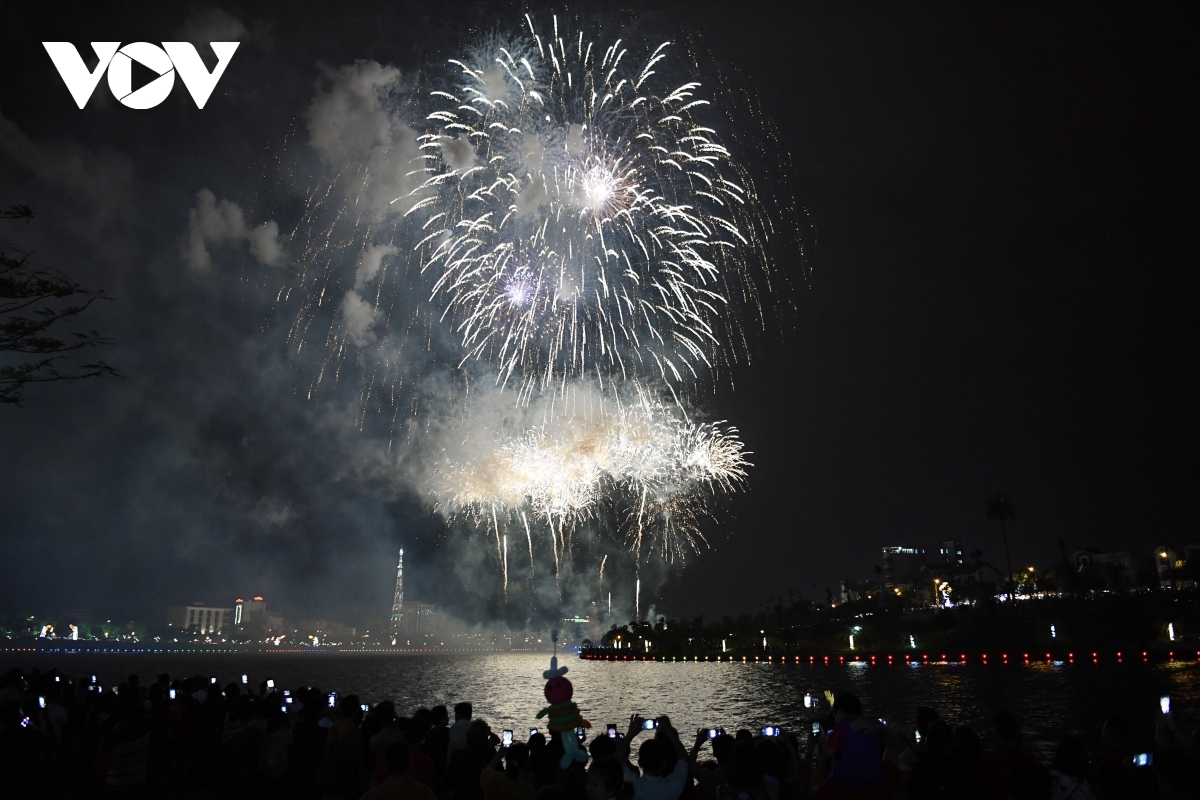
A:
[(996, 296)]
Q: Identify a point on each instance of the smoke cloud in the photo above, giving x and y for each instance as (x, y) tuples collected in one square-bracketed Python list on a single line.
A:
[(212, 224)]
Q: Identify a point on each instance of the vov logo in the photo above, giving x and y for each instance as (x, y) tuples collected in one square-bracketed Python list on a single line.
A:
[(164, 61)]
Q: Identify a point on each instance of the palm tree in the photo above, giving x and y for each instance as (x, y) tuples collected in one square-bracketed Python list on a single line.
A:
[(1000, 507), (977, 557)]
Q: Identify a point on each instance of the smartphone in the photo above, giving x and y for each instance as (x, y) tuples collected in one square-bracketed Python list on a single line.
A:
[(808, 701), (715, 732), (94, 679), (581, 734), (918, 735), (26, 722), (649, 724), (366, 707), (506, 739), (532, 732), (1143, 759), (883, 722), (333, 699), (171, 693), (771, 730), (287, 692), (270, 683), (41, 702), (816, 729), (245, 679), (1164, 703), (287, 700), (213, 681), (612, 731)]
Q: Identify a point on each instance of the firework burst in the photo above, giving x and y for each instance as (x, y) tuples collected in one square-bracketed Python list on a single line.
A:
[(579, 217), (644, 457)]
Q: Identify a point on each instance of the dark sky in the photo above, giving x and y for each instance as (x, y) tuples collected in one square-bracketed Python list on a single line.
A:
[(1000, 299)]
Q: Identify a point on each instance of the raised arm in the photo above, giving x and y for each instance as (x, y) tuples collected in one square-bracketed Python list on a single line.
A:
[(624, 745), (672, 736)]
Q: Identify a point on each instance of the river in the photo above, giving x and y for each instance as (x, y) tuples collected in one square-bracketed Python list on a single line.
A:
[(506, 688)]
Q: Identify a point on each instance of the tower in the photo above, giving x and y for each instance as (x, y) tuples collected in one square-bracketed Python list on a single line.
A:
[(398, 600)]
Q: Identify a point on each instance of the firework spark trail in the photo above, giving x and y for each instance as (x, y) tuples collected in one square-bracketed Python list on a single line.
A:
[(529, 539), (580, 218), (645, 450)]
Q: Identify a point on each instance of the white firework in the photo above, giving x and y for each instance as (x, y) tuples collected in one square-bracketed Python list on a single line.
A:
[(579, 217), (645, 455)]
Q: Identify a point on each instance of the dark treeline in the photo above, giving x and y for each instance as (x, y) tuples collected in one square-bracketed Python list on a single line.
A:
[(885, 622)]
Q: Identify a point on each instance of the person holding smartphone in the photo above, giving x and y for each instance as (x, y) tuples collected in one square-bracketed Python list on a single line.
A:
[(711, 778), (660, 779), (506, 776), (853, 751)]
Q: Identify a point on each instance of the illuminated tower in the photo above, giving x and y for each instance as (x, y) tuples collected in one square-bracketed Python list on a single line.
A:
[(398, 600)]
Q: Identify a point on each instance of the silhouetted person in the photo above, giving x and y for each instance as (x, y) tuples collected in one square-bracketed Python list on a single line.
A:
[(855, 753), (399, 784), (996, 765), (457, 735), (1069, 771)]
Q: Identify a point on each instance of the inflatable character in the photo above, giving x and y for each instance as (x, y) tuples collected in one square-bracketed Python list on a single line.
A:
[(564, 716)]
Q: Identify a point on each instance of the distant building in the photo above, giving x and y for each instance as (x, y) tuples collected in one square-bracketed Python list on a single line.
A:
[(1125, 561), (901, 564), (1175, 572), (250, 613), (1126, 566), (419, 619), (199, 618), (951, 551), (574, 628), (395, 622), (324, 631), (849, 590)]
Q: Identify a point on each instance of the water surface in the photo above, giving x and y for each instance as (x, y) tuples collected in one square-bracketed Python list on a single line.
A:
[(506, 689)]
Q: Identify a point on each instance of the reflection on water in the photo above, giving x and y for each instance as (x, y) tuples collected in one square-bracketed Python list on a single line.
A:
[(506, 689)]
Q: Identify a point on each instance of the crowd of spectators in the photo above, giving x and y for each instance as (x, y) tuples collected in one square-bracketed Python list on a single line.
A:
[(191, 738)]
